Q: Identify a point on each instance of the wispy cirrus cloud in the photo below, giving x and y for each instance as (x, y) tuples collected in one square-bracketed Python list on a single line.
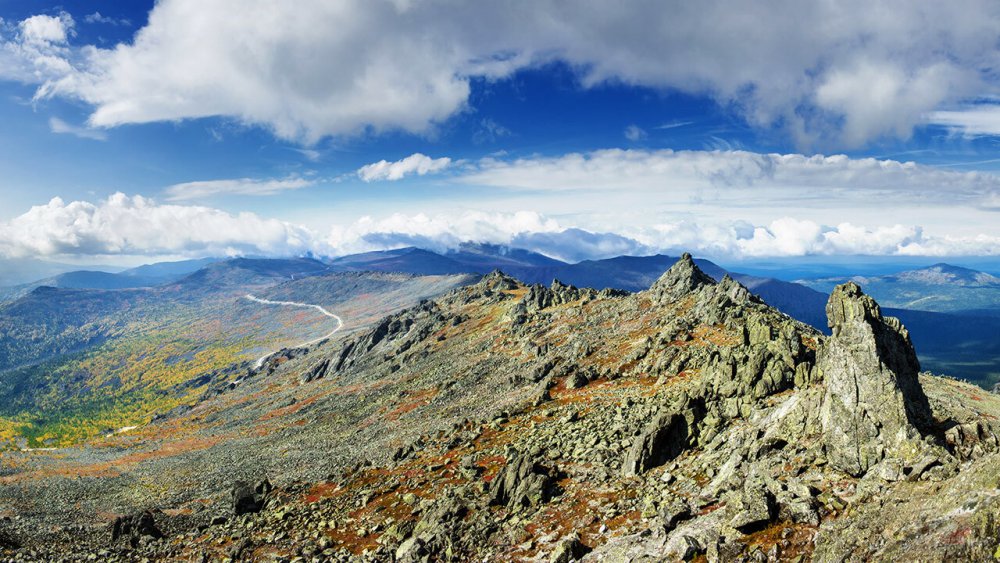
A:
[(974, 120), (739, 175), (59, 126), (239, 186), (674, 125), (98, 17)]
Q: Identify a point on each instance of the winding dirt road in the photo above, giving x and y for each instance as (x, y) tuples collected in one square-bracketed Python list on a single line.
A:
[(340, 322)]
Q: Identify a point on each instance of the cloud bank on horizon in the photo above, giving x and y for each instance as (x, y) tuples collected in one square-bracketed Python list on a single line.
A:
[(842, 75), (630, 186)]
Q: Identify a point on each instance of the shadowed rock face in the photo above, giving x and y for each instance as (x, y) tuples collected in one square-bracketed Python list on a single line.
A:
[(874, 406), (662, 440)]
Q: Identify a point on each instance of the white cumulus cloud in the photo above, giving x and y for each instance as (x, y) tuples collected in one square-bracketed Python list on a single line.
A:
[(841, 73), (440, 231), (417, 163), (574, 206), (123, 225), (782, 237), (40, 30), (36, 49), (137, 226)]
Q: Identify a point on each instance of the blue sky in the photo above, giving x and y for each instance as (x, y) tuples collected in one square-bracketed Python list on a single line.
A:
[(133, 131)]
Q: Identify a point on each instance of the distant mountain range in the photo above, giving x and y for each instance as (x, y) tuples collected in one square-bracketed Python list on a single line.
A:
[(17, 271), (149, 275), (953, 312), (941, 288), (631, 273)]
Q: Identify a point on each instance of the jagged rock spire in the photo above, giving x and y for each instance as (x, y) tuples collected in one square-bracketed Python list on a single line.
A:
[(874, 406), (498, 280), (682, 278)]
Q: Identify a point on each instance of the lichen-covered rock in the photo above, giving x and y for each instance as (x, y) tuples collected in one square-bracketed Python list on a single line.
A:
[(971, 440), (318, 371), (874, 406), (247, 499), (523, 482), (752, 506), (132, 529), (576, 379), (663, 439), (568, 549), (682, 278), (8, 540), (672, 512)]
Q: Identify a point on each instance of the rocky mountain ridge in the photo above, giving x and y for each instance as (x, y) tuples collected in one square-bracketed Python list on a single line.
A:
[(511, 422)]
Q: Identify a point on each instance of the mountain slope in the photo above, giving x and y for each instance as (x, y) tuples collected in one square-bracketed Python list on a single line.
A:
[(406, 260), (963, 344), (168, 270), (74, 362), (509, 422)]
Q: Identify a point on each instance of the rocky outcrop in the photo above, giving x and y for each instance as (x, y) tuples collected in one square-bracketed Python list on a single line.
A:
[(753, 505), (665, 437), (558, 293), (745, 354), (662, 440), (247, 499), (539, 298), (436, 533), (8, 540), (569, 549), (318, 371), (681, 279), (523, 482), (133, 529), (971, 440), (874, 406)]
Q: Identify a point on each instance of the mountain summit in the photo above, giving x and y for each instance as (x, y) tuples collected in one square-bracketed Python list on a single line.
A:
[(946, 274), (682, 278)]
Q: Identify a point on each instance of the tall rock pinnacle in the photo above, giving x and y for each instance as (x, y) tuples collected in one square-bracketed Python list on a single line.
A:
[(874, 405), (682, 278)]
